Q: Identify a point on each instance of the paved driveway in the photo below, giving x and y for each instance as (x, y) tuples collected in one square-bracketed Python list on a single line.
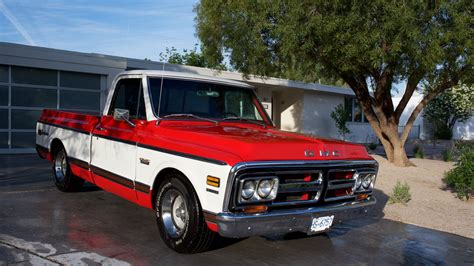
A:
[(41, 225)]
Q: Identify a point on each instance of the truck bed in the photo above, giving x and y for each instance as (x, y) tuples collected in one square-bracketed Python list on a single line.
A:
[(73, 129)]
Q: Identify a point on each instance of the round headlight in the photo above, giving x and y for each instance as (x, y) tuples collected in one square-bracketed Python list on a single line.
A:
[(265, 188), (367, 181), (248, 189), (358, 181)]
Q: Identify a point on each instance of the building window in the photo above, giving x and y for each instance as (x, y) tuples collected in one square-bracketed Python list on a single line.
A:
[(3, 118), (80, 80), (79, 100), (3, 140), (24, 119), (34, 76), (3, 73), (4, 95), (355, 111), (23, 140), (34, 97), (26, 91)]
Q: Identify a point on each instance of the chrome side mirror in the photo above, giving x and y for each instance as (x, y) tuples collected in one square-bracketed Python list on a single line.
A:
[(123, 115)]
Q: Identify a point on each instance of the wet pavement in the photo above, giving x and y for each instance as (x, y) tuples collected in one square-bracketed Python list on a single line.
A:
[(40, 225)]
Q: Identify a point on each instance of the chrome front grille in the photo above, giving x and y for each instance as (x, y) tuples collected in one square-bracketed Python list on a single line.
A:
[(340, 185), (308, 183), (295, 188)]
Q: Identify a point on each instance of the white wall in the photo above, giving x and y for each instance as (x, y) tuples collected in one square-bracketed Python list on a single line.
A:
[(361, 133), (411, 105), (317, 113), (464, 130), (309, 112), (460, 131), (265, 96), (291, 104)]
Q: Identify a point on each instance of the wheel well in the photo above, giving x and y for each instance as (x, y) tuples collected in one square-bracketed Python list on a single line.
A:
[(55, 145), (160, 178)]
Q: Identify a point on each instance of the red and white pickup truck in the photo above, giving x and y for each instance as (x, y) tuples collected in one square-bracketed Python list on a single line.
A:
[(205, 156)]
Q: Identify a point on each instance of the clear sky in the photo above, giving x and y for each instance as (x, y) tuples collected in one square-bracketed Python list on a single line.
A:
[(137, 29)]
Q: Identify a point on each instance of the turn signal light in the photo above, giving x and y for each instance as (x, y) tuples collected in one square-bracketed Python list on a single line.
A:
[(256, 209), (213, 181), (362, 196)]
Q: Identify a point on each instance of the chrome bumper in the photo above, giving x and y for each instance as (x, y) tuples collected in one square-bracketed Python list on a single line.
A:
[(285, 221)]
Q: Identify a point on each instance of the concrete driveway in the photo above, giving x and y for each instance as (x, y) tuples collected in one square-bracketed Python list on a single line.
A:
[(40, 225)]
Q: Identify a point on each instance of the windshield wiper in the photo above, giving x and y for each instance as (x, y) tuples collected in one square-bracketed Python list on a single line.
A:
[(193, 116), (246, 120)]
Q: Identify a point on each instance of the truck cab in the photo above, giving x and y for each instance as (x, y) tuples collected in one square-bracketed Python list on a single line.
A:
[(205, 156)]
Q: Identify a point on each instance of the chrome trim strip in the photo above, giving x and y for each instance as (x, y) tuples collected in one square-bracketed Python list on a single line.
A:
[(290, 164)]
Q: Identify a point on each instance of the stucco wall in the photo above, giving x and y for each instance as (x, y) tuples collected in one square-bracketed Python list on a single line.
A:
[(317, 113), (290, 106), (309, 112), (318, 107), (464, 130), (361, 133), (265, 96)]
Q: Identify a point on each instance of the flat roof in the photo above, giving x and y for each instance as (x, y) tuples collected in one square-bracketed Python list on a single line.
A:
[(185, 75), (13, 53)]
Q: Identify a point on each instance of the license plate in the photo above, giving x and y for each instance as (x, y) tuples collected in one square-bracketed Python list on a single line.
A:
[(321, 223)]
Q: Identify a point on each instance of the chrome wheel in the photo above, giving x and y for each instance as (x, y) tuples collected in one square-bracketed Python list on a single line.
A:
[(60, 166), (174, 213)]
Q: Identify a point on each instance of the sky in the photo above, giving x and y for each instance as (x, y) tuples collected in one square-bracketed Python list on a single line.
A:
[(136, 29)]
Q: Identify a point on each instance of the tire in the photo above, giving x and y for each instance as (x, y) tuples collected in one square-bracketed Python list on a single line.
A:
[(179, 216), (62, 175)]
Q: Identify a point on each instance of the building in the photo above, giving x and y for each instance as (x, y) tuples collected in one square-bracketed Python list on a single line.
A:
[(33, 78)]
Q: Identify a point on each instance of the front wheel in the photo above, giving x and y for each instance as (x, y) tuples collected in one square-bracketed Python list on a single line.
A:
[(63, 178), (179, 217)]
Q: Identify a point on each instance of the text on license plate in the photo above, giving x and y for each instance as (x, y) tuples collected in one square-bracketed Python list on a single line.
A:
[(321, 223)]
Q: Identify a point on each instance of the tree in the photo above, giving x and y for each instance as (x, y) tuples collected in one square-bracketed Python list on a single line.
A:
[(189, 58), (369, 44), (340, 116), (448, 108)]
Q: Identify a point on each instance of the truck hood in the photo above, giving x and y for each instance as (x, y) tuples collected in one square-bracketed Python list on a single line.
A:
[(234, 142)]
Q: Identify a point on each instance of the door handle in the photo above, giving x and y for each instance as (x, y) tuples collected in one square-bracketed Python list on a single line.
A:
[(100, 128)]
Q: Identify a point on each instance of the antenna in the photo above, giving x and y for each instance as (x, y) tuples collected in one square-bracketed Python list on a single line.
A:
[(161, 92)]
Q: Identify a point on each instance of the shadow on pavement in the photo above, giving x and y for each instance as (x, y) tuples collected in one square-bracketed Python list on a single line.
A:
[(97, 222)]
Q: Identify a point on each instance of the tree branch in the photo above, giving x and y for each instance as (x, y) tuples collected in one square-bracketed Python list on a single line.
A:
[(430, 96), (412, 84)]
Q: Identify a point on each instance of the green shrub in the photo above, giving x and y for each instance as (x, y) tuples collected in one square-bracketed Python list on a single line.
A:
[(461, 178), (461, 147), (447, 155), (400, 193), (418, 152), (443, 132), (372, 146)]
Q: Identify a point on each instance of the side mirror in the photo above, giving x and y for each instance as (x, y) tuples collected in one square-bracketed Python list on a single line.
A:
[(123, 115)]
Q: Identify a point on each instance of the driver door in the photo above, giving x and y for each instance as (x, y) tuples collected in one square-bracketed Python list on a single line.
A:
[(114, 141)]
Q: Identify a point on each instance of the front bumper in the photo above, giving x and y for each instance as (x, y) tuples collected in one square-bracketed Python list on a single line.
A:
[(238, 225)]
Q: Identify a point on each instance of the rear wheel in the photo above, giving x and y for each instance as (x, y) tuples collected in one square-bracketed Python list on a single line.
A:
[(63, 177), (179, 217)]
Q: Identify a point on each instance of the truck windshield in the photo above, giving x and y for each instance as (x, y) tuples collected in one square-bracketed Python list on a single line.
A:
[(185, 99)]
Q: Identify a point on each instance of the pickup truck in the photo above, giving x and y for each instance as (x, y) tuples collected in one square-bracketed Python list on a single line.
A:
[(204, 155)]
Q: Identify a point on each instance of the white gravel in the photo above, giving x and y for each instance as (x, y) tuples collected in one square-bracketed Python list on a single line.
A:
[(431, 204)]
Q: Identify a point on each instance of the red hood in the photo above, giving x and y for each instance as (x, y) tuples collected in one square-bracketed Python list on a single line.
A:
[(235, 142)]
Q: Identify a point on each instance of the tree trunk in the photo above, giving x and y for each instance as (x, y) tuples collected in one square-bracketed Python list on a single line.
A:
[(393, 145), (379, 110), (397, 155)]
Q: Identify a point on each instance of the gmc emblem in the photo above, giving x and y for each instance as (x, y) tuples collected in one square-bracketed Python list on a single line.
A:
[(324, 153), (327, 153)]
